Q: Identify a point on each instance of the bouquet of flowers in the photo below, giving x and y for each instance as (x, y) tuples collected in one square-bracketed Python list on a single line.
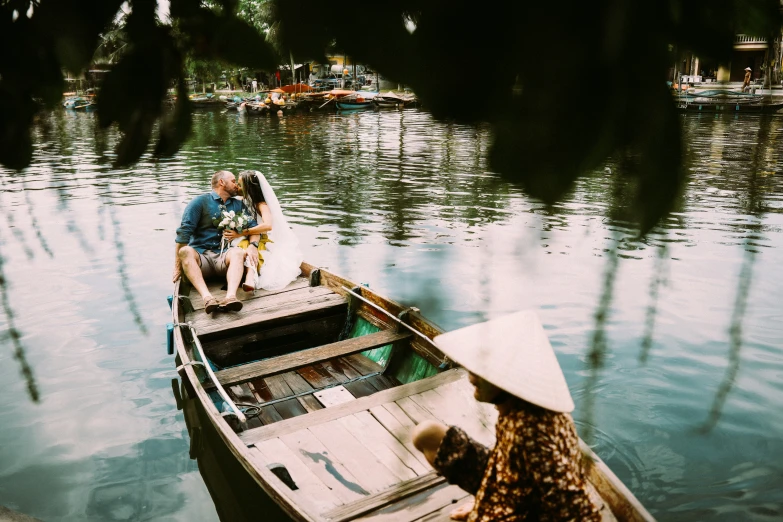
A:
[(230, 220)]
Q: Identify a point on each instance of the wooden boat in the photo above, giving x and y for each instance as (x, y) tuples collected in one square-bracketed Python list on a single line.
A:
[(313, 101), (78, 103), (276, 101), (205, 101), (313, 390), (722, 101), (355, 100), (394, 100), (256, 108)]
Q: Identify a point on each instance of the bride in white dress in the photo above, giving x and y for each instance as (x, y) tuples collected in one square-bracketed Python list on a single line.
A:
[(279, 256)]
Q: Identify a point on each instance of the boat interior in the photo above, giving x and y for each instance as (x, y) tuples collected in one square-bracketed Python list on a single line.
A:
[(294, 351), (330, 379)]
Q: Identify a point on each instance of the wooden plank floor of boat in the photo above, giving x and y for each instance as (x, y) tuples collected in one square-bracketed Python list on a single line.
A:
[(339, 427), (355, 460), (298, 300)]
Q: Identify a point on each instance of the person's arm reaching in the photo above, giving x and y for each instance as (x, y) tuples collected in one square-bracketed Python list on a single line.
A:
[(262, 228), (190, 218)]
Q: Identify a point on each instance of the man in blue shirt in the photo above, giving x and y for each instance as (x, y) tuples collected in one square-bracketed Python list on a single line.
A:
[(198, 244)]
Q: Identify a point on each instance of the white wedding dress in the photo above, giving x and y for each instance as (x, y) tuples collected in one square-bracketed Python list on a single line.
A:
[(282, 257)]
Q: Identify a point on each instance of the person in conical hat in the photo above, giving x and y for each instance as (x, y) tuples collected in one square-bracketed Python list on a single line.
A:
[(534, 472), (746, 81)]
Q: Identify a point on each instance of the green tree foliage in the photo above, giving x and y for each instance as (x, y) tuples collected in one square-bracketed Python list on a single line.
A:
[(65, 34), (584, 77), (587, 77)]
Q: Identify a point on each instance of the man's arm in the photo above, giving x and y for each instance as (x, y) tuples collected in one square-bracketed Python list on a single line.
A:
[(177, 264), (190, 219)]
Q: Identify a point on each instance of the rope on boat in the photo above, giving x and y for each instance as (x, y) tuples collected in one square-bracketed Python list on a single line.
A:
[(190, 363), (208, 368)]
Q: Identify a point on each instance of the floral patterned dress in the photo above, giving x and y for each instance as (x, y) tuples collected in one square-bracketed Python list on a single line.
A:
[(534, 471)]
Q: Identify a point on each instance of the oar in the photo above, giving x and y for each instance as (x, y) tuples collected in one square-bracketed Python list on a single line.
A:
[(324, 105)]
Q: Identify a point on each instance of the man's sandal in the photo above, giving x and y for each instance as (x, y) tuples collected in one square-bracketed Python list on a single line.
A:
[(210, 305), (231, 305)]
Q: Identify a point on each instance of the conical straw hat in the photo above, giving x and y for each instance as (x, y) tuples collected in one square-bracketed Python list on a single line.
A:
[(513, 353)]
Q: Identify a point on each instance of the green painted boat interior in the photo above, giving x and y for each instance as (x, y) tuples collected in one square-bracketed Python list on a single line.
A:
[(406, 368)]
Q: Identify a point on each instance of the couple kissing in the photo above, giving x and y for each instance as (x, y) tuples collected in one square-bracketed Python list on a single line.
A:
[(236, 232)]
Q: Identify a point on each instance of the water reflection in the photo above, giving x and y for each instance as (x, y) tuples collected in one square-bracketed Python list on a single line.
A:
[(408, 205)]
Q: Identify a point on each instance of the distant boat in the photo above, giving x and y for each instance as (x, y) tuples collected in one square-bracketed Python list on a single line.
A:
[(312, 101), (726, 101), (312, 391), (256, 108), (355, 100), (80, 104), (276, 102), (394, 100), (205, 100)]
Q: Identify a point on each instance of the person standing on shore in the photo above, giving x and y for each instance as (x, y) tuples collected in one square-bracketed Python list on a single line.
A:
[(534, 472), (746, 82)]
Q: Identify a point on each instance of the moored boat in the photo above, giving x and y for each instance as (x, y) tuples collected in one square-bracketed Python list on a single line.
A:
[(313, 390), (276, 101), (256, 108), (313, 101), (208, 100), (726, 101), (355, 100), (394, 100), (78, 103)]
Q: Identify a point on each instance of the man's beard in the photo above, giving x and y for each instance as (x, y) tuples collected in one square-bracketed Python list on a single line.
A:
[(233, 192)]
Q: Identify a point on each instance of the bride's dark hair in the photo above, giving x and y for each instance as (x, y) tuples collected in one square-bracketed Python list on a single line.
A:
[(251, 190)]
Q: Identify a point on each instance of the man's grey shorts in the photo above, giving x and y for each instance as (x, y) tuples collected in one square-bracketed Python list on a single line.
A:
[(213, 265)]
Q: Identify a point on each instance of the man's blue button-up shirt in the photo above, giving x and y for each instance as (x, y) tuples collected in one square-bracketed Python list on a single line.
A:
[(197, 229)]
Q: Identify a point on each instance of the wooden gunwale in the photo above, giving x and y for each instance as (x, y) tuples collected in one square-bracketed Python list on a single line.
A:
[(427, 350), (263, 477), (614, 492)]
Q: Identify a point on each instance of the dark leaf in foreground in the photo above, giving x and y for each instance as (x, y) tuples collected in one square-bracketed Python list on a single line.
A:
[(175, 129)]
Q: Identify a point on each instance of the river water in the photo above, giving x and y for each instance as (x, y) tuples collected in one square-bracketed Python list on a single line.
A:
[(686, 408)]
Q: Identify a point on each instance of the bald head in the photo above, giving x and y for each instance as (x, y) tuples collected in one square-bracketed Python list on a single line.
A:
[(224, 184), (219, 175)]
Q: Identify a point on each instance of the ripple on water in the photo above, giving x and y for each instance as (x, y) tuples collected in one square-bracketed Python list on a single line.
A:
[(408, 204)]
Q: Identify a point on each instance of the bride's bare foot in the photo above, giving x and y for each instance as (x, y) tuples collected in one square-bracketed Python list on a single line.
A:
[(462, 512)]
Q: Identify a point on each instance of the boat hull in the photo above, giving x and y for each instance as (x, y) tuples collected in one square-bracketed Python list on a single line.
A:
[(744, 108), (352, 106), (387, 344)]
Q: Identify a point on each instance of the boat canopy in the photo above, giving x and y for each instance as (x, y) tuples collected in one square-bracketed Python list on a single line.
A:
[(391, 95), (297, 87)]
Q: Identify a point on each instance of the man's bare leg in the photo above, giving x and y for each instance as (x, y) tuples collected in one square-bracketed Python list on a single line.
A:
[(235, 259), (191, 265)]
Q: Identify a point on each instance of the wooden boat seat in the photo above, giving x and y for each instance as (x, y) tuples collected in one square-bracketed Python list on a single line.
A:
[(293, 393), (292, 305), (296, 360)]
